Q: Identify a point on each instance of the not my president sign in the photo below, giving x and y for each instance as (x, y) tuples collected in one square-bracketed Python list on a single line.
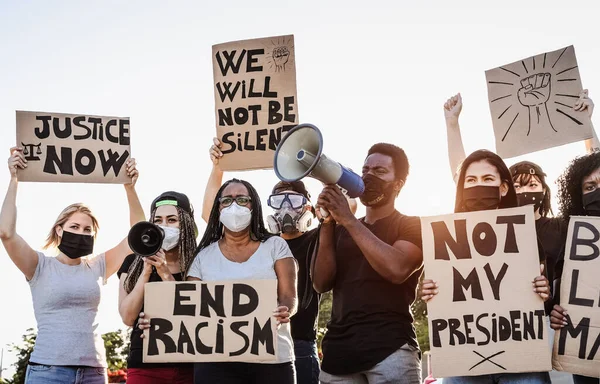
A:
[(210, 321), (576, 345), (63, 147), (486, 317), (255, 99)]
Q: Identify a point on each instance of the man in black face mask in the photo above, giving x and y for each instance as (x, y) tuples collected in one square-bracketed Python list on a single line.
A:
[(373, 266)]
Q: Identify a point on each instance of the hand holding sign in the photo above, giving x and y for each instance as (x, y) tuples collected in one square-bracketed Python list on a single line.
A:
[(428, 289), (132, 172), (584, 103), (282, 314), (16, 161), (215, 151), (541, 286), (558, 317)]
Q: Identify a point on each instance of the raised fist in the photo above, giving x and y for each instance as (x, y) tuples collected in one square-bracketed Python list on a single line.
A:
[(281, 55), (535, 90)]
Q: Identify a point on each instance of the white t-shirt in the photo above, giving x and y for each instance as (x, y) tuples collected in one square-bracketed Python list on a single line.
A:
[(211, 265)]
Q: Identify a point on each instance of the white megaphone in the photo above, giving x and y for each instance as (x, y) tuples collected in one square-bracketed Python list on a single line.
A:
[(300, 154)]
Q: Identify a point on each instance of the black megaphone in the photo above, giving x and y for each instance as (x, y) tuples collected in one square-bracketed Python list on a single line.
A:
[(145, 238)]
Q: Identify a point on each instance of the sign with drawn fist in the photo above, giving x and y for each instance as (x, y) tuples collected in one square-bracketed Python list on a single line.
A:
[(535, 90), (533, 103)]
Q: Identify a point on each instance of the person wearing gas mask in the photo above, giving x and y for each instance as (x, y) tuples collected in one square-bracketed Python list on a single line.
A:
[(373, 266), (236, 246), (66, 288), (173, 213), (485, 183), (578, 195)]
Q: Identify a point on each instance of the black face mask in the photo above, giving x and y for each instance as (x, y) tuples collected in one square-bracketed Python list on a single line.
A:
[(530, 198), (481, 198), (377, 191), (591, 203), (75, 245)]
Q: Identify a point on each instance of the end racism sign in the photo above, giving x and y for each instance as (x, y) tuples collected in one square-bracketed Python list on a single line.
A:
[(210, 321), (73, 148), (255, 99), (576, 344), (486, 317)]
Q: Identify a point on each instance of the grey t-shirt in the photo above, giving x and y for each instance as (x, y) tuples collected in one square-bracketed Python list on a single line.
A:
[(65, 303)]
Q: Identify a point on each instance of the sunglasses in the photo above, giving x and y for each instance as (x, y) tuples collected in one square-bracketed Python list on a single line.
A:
[(296, 201), (242, 201)]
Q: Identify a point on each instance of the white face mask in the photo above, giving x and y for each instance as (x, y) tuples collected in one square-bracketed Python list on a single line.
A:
[(171, 237), (236, 218)]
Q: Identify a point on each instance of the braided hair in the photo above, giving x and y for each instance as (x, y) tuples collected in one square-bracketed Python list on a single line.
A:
[(214, 227), (187, 247)]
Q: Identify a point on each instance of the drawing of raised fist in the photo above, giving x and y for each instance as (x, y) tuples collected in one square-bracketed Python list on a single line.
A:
[(535, 90), (281, 55)]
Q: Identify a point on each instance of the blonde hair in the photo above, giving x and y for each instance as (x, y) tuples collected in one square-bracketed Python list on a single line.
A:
[(52, 241)]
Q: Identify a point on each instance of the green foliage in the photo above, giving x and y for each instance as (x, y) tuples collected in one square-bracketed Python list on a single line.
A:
[(116, 344), (324, 316)]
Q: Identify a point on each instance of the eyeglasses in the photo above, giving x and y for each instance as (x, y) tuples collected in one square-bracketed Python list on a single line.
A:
[(296, 201), (242, 201)]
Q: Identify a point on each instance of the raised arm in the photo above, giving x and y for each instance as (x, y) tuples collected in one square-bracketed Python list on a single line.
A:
[(214, 180), (582, 104), (24, 257), (456, 150), (116, 256), (395, 263)]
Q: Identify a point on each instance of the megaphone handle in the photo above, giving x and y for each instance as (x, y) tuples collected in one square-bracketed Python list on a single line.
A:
[(324, 212)]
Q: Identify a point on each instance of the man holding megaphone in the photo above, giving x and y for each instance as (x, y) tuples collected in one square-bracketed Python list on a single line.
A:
[(373, 265)]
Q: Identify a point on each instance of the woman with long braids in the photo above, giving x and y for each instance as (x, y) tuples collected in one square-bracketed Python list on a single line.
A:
[(236, 246), (484, 183), (173, 212), (67, 288), (578, 195)]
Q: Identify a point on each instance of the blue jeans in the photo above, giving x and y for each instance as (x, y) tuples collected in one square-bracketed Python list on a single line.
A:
[(307, 362), (55, 374), (502, 378)]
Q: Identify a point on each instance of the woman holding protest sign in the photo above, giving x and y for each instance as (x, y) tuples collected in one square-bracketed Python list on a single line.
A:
[(173, 212), (578, 195), (236, 246), (528, 178), (485, 183), (66, 289)]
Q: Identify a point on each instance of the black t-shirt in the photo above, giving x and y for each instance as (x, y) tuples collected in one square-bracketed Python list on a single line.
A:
[(135, 359), (551, 233), (371, 316), (304, 322)]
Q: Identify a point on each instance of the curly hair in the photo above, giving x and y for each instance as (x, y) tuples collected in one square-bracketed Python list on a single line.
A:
[(570, 191), (214, 227), (187, 248)]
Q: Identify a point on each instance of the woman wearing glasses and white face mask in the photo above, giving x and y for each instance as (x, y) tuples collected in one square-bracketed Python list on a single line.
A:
[(236, 246), (172, 212)]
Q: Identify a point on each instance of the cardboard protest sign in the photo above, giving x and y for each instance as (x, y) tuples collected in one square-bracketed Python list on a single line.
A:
[(255, 99), (531, 102), (210, 321), (576, 345), (73, 148), (486, 317)]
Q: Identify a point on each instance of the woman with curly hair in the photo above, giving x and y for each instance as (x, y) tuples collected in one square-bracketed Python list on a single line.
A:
[(578, 195)]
